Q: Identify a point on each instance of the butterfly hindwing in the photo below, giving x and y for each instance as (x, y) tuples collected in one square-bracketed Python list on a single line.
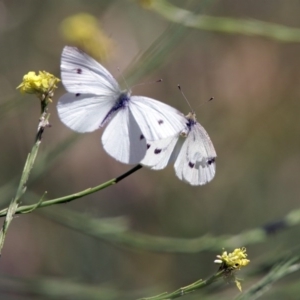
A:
[(195, 162), (159, 153), (157, 120), (123, 139), (83, 112)]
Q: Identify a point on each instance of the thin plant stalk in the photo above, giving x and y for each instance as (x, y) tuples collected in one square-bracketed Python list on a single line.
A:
[(187, 289), (29, 208), (15, 202), (42, 86)]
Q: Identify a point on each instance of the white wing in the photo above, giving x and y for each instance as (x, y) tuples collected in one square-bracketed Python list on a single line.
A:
[(93, 91), (159, 153), (157, 120), (82, 74), (195, 162), (123, 139), (94, 98), (84, 113)]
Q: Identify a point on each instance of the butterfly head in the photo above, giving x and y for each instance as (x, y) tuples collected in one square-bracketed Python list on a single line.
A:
[(125, 94), (191, 119), (190, 122), (191, 116)]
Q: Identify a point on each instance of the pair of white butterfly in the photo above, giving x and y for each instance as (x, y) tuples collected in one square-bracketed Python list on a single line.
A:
[(139, 129)]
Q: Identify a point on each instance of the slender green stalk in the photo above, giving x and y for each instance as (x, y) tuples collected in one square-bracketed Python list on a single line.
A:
[(29, 208), (13, 206), (101, 229), (187, 289), (120, 235), (248, 27), (288, 266), (46, 159), (42, 287), (43, 86)]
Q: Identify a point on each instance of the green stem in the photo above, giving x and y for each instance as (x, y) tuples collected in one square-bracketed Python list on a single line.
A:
[(13, 206), (248, 27), (187, 289), (29, 208)]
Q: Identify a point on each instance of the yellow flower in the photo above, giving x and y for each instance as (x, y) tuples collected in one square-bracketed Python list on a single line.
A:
[(42, 84), (83, 31), (230, 262), (235, 260), (146, 3)]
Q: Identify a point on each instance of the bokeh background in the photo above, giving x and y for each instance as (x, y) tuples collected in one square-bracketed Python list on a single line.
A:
[(102, 246)]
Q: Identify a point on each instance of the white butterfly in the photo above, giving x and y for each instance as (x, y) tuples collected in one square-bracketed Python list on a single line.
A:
[(95, 99), (192, 151)]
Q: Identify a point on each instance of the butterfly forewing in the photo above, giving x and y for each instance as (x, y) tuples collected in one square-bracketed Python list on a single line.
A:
[(82, 74)]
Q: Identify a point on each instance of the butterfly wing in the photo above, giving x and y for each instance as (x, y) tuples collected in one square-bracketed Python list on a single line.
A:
[(195, 162), (92, 91), (159, 152), (83, 113), (82, 74), (156, 120), (123, 138)]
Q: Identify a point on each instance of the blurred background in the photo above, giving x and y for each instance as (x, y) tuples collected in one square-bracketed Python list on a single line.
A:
[(246, 55)]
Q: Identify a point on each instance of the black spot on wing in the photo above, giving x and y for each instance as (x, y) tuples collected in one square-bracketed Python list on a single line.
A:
[(191, 165), (211, 160), (157, 151), (79, 71), (141, 137), (160, 122), (148, 146), (77, 94)]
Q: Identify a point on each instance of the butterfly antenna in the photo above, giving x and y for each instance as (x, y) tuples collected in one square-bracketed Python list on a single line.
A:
[(147, 82), (187, 101), (127, 87), (210, 99)]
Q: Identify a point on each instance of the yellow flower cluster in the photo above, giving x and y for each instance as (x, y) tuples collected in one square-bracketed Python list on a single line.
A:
[(41, 84), (231, 262), (235, 260), (83, 31)]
